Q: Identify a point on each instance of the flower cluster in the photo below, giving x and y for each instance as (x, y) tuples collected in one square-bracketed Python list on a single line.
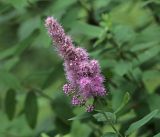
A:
[(83, 74)]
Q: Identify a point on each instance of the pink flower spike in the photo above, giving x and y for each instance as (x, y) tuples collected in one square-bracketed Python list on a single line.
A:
[(82, 73)]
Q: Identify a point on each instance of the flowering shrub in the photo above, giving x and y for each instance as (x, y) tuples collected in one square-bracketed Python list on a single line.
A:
[(112, 68)]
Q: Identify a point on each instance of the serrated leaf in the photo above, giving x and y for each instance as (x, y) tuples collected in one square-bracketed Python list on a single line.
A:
[(10, 103), (31, 109), (110, 134), (136, 125), (123, 33), (124, 102), (101, 117)]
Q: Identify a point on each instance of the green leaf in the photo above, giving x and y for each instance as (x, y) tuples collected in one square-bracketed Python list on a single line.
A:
[(117, 97), (101, 117), (23, 45), (82, 116), (147, 55), (122, 67), (18, 4), (80, 130), (101, 3), (10, 63), (61, 5), (44, 135), (128, 116), (86, 29), (136, 125), (153, 102), (56, 72), (137, 74), (27, 27), (143, 46), (151, 80), (10, 103), (42, 40), (157, 135), (123, 33), (31, 109), (150, 34), (59, 8), (110, 134), (9, 81), (9, 16), (145, 3), (135, 16), (126, 98), (7, 52)]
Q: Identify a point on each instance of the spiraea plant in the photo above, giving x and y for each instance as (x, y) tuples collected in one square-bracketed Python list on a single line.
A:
[(85, 80)]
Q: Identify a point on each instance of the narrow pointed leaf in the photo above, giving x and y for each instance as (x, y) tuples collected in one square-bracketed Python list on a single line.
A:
[(124, 102), (31, 109), (136, 125), (10, 103)]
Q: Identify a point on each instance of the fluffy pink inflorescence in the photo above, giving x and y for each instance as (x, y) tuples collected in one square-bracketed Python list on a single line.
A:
[(83, 74)]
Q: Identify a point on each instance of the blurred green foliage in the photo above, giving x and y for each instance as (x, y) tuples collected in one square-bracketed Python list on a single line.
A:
[(124, 35)]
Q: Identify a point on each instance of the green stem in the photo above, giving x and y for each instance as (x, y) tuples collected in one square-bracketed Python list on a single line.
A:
[(43, 94), (112, 125)]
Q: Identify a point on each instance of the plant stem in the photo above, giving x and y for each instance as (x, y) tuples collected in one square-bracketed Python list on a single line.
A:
[(112, 125), (43, 94)]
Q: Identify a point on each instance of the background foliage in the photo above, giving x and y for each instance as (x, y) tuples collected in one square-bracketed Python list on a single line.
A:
[(124, 35)]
